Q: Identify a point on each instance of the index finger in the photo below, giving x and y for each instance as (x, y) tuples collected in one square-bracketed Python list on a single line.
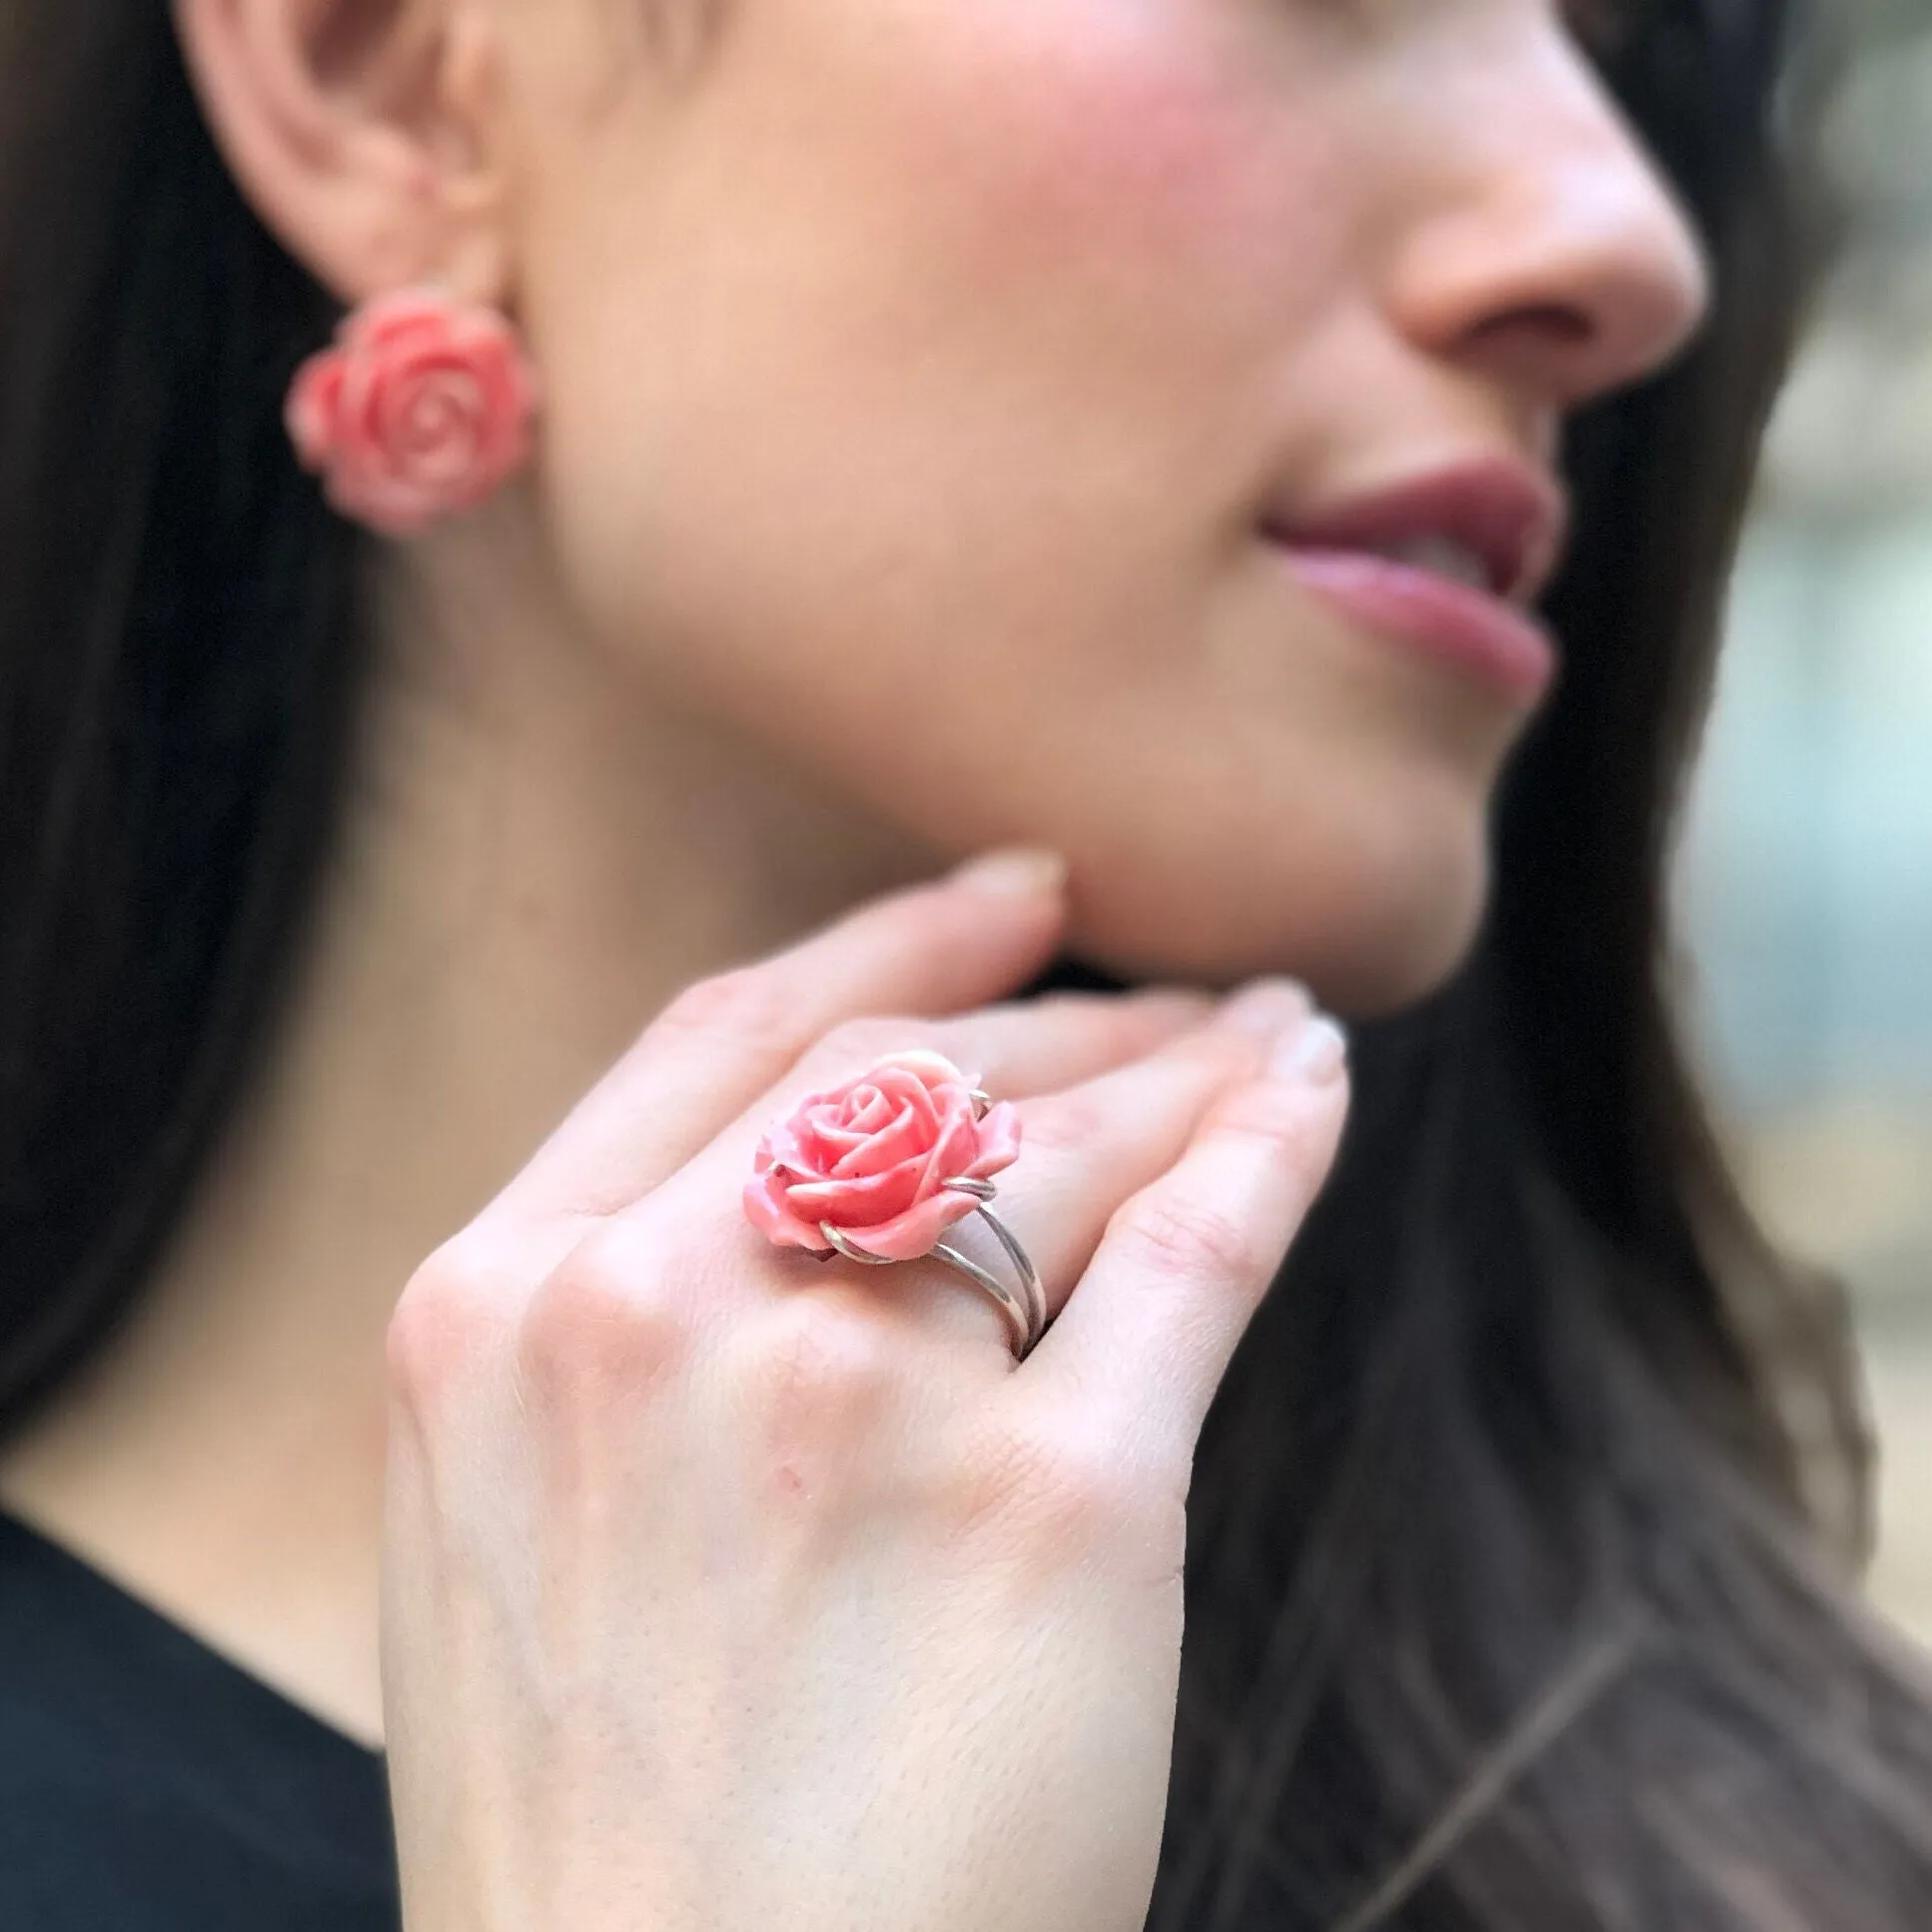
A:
[(931, 949)]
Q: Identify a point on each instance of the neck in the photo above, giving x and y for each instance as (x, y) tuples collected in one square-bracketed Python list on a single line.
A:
[(538, 855)]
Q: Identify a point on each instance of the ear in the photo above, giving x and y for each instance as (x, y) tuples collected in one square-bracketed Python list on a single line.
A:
[(361, 131)]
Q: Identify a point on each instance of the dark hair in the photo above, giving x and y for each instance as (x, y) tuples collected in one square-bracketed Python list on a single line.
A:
[(1506, 1606)]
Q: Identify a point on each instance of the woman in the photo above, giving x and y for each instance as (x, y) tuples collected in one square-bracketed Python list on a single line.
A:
[(883, 432)]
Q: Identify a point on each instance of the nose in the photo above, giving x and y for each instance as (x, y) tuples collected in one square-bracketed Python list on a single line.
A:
[(1552, 255)]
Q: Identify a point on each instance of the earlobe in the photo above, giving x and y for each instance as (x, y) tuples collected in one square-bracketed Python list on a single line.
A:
[(353, 127)]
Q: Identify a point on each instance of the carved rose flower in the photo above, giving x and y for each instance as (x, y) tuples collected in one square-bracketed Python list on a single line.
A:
[(420, 408), (871, 1158)]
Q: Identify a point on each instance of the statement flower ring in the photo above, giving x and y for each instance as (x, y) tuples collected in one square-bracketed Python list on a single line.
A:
[(880, 1168)]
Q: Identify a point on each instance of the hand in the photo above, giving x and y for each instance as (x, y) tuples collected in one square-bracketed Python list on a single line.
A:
[(727, 1590)]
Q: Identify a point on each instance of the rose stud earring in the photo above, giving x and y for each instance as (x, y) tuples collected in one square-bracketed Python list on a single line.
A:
[(420, 408)]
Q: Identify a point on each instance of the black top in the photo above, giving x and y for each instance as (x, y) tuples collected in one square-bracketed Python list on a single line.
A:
[(150, 1785)]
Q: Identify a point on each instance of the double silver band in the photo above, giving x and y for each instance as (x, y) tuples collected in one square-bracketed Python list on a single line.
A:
[(1026, 1312)]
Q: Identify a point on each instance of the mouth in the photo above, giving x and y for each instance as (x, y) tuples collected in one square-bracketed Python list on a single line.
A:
[(1454, 562)]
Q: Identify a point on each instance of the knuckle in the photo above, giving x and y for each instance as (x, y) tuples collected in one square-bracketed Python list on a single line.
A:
[(864, 1039), (607, 1319), (1070, 1123), (1170, 1233), (1064, 1005), (811, 1362), (448, 1319), (1077, 1479), (747, 1005), (1046, 1494), (814, 1383), (1281, 1119)]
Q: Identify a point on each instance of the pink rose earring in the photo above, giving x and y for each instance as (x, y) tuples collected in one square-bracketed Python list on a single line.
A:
[(421, 409)]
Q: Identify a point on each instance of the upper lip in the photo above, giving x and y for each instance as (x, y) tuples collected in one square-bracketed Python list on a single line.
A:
[(1512, 514)]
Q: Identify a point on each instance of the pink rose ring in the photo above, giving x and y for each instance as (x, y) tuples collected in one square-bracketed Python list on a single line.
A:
[(879, 1168)]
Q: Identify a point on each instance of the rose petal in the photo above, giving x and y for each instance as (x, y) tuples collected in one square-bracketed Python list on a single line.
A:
[(781, 1146), (871, 1110), (384, 502), (356, 403), (908, 1090), (439, 412), (397, 401), (394, 317), (955, 1151), (929, 1068), (919, 1229), (828, 1152), (764, 1207), (816, 1132), (999, 1142), (863, 1203), (313, 401), (901, 1141)]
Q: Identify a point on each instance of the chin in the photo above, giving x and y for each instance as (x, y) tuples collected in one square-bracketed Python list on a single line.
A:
[(1369, 934), (1385, 972)]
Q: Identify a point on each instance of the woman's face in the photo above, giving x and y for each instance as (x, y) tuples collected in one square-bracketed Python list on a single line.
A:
[(1006, 408)]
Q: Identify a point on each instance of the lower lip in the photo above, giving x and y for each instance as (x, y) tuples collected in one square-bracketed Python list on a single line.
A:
[(1481, 635)]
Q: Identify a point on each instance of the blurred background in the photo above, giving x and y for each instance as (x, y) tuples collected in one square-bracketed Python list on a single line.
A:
[(1805, 880)]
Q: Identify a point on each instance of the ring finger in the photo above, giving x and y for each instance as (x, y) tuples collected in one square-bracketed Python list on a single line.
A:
[(1085, 1147)]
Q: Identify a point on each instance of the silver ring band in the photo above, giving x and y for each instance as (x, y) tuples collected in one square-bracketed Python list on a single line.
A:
[(1026, 1312)]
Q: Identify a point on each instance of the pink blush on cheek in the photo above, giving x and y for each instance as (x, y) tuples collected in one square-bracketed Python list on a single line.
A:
[(1103, 123)]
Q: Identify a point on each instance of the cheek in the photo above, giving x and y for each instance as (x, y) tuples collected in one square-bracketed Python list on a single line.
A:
[(1147, 142), (936, 302), (916, 402), (1104, 132)]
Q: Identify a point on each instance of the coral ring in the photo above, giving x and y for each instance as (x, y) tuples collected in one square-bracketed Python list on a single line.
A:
[(879, 1168)]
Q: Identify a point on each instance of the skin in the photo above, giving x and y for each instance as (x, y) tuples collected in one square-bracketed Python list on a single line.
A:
[(1171, 257), (721, 1585), (914, 379)]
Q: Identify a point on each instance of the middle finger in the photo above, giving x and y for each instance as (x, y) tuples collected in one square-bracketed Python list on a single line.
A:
[(1085, 1147)]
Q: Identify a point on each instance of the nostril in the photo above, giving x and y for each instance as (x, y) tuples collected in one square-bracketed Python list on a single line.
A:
[(1552, 322)]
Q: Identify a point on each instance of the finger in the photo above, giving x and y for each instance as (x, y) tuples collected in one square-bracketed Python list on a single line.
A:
[(1015, 1050), (1149, 1332), (930, 949), (1084, 1148), (1018, 1049)]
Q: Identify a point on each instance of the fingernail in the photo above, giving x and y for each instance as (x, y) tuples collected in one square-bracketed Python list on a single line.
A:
[(1316, 1053), (1266, 1007), (1014, 873)]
